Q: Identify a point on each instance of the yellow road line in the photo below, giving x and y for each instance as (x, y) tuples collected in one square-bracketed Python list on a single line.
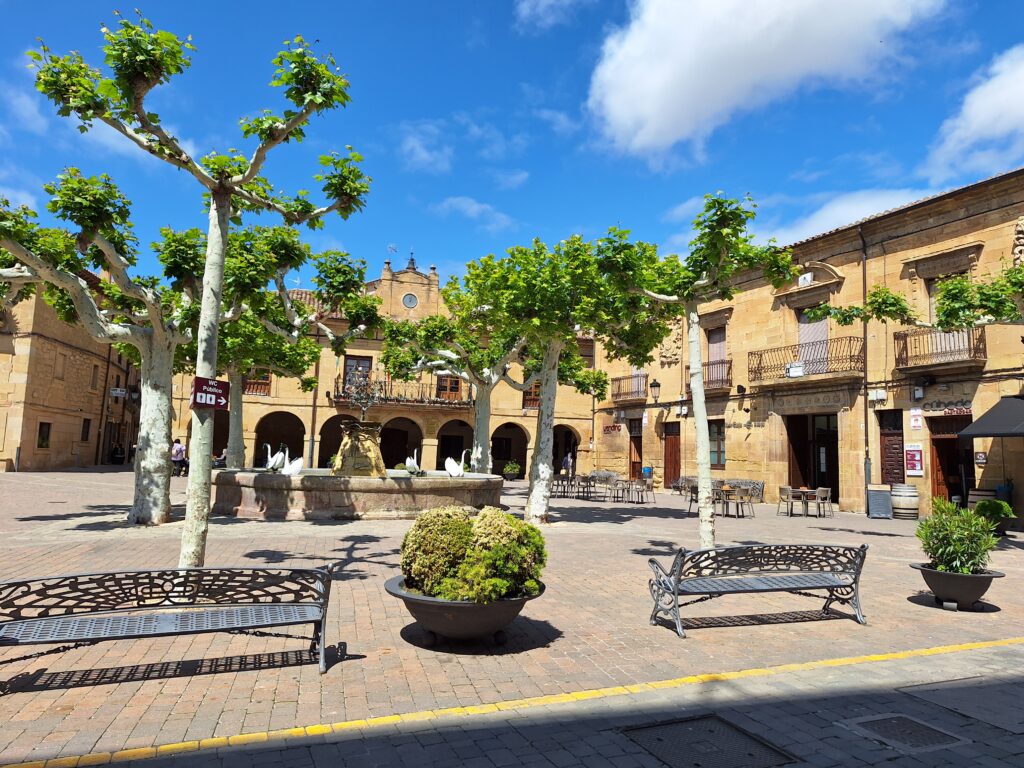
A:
[(262, 737)]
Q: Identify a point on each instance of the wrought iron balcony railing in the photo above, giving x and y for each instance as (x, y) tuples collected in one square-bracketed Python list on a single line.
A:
[(420, 392), (922, 347), (841, 355), (717, 375), (632, 387)]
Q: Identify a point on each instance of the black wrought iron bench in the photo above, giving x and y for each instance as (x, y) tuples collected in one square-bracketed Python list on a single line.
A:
[(796, 568), (84, 609)]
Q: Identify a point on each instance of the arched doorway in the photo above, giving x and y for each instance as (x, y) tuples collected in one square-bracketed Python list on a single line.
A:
[(453, 438), (398, 439), (509, 443), (277, 428), (330, 438), (565, 444)]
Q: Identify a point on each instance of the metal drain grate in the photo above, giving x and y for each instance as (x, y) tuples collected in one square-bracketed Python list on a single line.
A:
[(706, 742), (906, 734)]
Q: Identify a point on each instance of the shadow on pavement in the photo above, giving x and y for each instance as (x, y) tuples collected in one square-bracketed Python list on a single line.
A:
[(355, 550), (927, 600), (523, 634)]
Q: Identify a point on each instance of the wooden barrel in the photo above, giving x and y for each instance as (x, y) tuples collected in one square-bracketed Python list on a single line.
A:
[(977, 495), (905, 502)]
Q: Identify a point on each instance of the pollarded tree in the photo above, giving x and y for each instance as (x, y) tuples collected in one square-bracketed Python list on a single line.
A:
[(561, 294), (722, 249), (139, 58)]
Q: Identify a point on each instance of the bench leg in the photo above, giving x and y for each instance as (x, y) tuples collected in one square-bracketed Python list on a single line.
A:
[(665, 602), (317, 646)]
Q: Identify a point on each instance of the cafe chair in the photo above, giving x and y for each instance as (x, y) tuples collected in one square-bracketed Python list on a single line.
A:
[(823, 502), (785, 497)]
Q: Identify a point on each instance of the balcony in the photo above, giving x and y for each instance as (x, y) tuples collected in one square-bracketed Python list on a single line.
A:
[(717, 375), (629, 388), (392, 392), (841, 358), (923, 348)]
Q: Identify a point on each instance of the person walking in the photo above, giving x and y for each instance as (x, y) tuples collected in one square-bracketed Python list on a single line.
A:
[(177, 457)]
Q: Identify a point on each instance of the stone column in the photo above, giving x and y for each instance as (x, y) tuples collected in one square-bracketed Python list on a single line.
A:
[(428, 453)]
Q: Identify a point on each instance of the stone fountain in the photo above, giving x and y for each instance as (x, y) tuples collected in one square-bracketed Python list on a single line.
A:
[(358, 486)]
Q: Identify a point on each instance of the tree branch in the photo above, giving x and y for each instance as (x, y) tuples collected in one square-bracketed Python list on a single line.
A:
[(281, 133)]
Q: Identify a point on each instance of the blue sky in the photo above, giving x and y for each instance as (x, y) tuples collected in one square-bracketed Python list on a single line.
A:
[(486, 124)]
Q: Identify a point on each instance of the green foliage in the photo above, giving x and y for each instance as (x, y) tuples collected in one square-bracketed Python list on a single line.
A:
[(994, 510), (511, 468), (956, 540), (883, 304), (400, 466), (309, 80), (434, 548)]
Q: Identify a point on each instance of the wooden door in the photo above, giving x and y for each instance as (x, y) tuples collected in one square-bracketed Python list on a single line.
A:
[(671, 456), (797, 429), (636, 448), (948, 460), (825, 446), (892, 457)]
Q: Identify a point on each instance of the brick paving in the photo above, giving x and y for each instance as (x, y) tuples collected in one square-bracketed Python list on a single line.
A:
[(588, 631)]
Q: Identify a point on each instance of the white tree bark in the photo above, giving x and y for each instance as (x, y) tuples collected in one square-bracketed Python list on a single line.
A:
[(480, 459), (542, 466), (236, 435), (197, 511), (705, 501), (152, 502)]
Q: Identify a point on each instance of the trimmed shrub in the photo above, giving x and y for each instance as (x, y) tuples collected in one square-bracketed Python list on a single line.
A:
[(994, 510), (435, 547), (399, 466), (511, 468), (956, 540)]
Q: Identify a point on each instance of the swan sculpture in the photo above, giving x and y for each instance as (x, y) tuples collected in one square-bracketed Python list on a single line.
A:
[(453, 467), (292, 467), (410, 462), (276, 462)]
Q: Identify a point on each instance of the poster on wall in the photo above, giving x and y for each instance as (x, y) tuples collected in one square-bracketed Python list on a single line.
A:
[(913, 459), (916, 418)]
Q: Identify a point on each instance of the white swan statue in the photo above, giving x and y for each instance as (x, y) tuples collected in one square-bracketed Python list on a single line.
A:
[(453, 467), (292, 467), (276, 462), (410, 462)]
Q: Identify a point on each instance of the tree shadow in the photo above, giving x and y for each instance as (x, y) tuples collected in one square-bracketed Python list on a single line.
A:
[(1007, 542), (354, 550), (177, 515), (657, 548), (41, 680), (523, 634), (866, 533)]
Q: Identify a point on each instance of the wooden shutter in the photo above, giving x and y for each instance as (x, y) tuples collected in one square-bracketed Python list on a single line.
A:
[(716, 344), (813, 338)]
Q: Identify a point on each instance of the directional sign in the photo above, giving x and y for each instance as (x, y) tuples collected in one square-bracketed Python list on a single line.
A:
[(209, 393), (118, 392)]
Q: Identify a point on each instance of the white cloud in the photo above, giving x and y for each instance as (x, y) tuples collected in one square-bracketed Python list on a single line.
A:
[(840, 210), (685, 211), (987, 134), (19, 186), (422, 147), (487, 216), (679, 70), (18, 197), (559, 121), (544, 14), (494, 144), (511, 179), (23, 110)]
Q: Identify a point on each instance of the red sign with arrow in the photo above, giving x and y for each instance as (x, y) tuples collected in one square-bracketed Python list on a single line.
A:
[(209, 393)]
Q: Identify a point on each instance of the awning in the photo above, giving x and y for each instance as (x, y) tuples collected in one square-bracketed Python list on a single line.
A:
[(1004, 419)]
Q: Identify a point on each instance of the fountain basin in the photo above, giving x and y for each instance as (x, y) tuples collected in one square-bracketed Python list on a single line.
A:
[(254, 494)]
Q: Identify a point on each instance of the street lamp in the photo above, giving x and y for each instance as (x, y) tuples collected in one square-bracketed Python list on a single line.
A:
[(655, 389)]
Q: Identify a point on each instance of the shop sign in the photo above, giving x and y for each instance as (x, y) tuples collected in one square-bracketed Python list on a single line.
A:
[(948, 407), (981, 458), (609, 428), (913, 459), (118, 392)]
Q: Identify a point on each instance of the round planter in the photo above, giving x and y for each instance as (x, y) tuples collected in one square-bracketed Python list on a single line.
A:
[(964, 589), (510, 476), (459, 619)]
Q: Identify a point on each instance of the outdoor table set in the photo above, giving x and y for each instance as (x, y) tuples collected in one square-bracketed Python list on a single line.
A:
[(593, 488), (822, 498)]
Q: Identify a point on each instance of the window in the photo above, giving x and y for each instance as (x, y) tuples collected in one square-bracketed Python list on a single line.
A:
[(43, 438), (531, 397), (60, 366), (95, 381), (716, 430), (586, 351), (448, 387), (357, 366), (716, 344), (86, 429)]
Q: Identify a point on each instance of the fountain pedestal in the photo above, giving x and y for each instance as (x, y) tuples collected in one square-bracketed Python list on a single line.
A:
[(359, 455)]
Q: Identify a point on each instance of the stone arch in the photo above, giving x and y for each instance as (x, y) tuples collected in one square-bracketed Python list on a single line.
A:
[(566, 442), (330, 438), (453, 438), (398, 439), (276, 428), (509, 442)]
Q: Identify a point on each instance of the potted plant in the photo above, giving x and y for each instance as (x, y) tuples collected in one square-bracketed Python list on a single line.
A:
[(997, 512), (511, 470), (958, 543), (468, 577)]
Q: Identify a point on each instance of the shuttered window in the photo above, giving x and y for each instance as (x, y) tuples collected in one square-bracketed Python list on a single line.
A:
[(716, 344), (813, 339)]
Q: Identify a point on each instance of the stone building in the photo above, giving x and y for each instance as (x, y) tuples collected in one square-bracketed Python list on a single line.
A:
[(801, 403), (65, 399), (432, 416)]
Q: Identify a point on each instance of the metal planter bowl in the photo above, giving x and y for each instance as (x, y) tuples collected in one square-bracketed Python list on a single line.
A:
[(964, 589), (458, 619)]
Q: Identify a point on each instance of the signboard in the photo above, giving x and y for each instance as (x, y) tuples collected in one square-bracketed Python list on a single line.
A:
[(913, 459), (118, 392), (916, 418), (209, 393), (981, 458), (609, 428)]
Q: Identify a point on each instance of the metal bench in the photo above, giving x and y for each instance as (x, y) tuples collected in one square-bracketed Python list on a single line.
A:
[(794, 568), (84, 609)]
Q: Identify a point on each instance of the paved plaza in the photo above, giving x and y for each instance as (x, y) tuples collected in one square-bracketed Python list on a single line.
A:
[(580, 667)]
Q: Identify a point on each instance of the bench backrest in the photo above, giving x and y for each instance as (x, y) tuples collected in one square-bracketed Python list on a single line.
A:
[(131, 590), (768, 558)]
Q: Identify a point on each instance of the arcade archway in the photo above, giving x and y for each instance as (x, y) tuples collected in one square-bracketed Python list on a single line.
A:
[(330, 438), (566, 441), (398, 439), (509, 443), (453, 438), (276, 429)]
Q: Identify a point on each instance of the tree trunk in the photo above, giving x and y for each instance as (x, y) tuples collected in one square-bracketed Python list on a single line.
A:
[(480, 459), (197, 511), (236, 438), (542, 466), (705, 500), (152, 502)]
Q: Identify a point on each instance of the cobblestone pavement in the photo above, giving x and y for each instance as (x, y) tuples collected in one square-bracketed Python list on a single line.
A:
[(589, 631)]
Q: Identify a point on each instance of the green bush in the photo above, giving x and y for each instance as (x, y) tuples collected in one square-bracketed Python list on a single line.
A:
[(511, 468), (400, 466), (994, 510), (502, 556), (956, 540), (435, 547)]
